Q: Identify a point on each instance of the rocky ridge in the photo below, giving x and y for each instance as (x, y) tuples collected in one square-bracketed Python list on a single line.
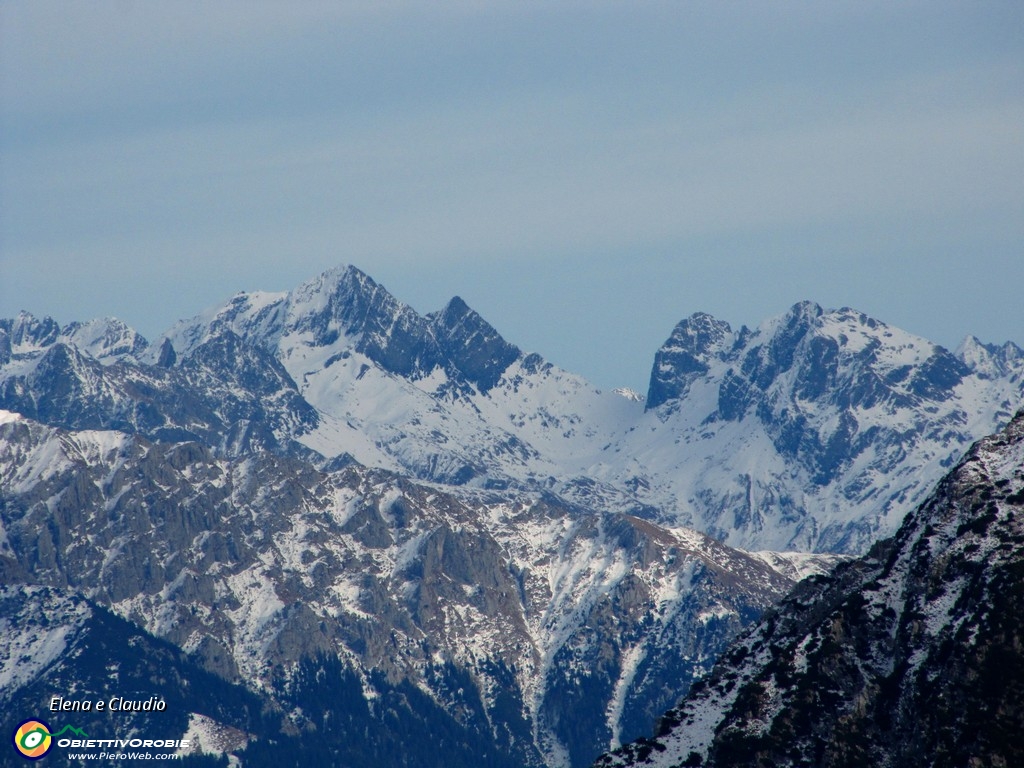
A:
[(816, 431), (259, 565), (909, 656)]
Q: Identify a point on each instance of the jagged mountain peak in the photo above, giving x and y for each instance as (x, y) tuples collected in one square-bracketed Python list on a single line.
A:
[(455, 338), (807, 351), (247, 314), (107, 339), (351, 299), (701, 335), (455, 313), (990, 360), (341, 279), (346, 311), (342, 307), (685, 355), (267, 436), (28, 333), (834, 395), (471, 345), (341, 301), (774, 345), (803, 312), (762, 354)]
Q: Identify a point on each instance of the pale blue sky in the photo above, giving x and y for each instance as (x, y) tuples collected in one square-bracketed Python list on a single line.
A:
[(583, 174)]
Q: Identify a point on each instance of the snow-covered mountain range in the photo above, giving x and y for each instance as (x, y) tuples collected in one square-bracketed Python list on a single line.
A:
[(817, 431), (909, 656), (322, 490)]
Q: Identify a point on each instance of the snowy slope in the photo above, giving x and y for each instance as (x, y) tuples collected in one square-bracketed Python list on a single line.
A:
[(412, 387), (909, 656), (31, 643), (816, 431)]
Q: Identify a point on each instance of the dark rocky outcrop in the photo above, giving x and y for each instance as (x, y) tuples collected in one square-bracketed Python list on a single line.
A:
[(910, 656), (685, 357)]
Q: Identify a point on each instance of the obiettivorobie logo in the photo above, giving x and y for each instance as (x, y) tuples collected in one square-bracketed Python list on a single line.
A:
[(33, 737)]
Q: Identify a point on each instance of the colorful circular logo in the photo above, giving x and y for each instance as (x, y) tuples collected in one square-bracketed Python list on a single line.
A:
[(33, 738)]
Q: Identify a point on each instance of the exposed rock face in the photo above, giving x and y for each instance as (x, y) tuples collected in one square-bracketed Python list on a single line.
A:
[(262, 565), (26, 331), (469, 347), (686, 356), (60, 644), (838, 412), (910, 656), (232, 396), (816, 431)]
